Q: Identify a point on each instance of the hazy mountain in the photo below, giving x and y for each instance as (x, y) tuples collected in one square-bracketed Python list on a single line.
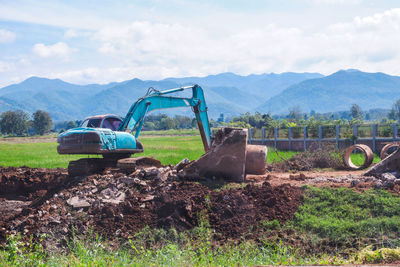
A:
[(226, 93), (337, 92)]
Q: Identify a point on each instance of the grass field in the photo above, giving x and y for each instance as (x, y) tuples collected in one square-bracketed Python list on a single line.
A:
[(166, 148)]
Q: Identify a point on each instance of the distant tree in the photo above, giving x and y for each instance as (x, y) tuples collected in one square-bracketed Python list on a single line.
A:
[(356, 112), (395, 111), (167, 123), (42, 122), (14, 122), (70, 125), (295, 113)]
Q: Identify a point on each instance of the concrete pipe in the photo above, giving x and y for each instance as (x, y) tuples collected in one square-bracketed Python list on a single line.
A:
[(385, 149), (368, 156), (256, 159)]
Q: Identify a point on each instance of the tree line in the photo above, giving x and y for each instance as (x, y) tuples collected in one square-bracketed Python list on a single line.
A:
[(19, 123), (295, 117)]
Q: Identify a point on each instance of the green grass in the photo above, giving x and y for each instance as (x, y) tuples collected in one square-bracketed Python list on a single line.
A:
[(358, 158), (159, 247), (171, 132), (344, 218), (167, 149)]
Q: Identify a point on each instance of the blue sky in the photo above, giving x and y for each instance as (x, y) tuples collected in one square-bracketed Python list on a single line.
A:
[(104, 41)]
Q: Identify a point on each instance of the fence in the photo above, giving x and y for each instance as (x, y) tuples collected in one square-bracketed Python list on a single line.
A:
[(302, 138)]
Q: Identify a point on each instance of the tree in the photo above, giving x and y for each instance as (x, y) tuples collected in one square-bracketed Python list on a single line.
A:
[(167, 123), (295, 113), (42, 122), (14, 122), (71, 124), (356, 112), (395, 112)]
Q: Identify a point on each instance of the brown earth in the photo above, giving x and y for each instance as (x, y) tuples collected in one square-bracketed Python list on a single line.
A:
[(118, 205)]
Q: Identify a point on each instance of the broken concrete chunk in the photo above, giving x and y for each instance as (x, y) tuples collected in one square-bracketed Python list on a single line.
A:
[(182, 164), (389, 164), (77, 203), (148, 198), (120, 197), (387, 176)]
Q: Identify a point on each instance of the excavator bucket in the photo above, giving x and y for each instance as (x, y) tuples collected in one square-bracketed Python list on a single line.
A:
[(230, 157)]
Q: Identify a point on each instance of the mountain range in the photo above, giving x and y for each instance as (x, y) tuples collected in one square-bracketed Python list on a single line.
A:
[(226, 93)]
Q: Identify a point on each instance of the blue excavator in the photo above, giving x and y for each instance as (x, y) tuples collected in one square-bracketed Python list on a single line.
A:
[(118, 144), (111, 137)]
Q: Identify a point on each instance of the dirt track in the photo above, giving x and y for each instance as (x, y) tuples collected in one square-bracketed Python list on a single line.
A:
[(117, 204)]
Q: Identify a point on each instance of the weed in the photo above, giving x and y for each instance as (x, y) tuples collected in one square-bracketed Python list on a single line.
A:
[(382, 255)]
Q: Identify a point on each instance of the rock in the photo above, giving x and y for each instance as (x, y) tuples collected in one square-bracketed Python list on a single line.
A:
[(116, 199), (387, 176), (151, 173), (77, 203), (147, 198), (182, 164)]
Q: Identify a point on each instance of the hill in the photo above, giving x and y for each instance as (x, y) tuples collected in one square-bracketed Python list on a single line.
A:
[(337, 92), (226, 93)]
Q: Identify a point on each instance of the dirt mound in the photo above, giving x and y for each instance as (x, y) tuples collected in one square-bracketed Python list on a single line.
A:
[(27, 183), (326, 157), (235, 211), (118, 204)]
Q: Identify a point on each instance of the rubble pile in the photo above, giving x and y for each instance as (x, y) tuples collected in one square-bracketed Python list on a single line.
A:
[(118, 204), (386, 180)]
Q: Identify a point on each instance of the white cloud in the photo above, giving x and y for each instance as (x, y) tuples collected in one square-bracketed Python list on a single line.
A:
[(156, 50), (7, 36), (59, 49), (71, 33), (6, 66)]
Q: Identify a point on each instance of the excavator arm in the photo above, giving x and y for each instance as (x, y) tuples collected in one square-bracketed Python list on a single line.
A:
[(160, 100)]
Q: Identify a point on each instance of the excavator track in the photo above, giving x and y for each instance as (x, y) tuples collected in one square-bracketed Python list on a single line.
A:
[(88, 166)]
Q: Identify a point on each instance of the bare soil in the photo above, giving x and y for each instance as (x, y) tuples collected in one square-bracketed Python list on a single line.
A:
[(119, 204)]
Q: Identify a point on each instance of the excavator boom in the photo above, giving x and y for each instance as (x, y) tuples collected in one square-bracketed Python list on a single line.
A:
[(160, 100)]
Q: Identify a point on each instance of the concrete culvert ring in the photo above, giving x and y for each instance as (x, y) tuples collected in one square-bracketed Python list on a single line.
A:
[(368, 156), (385, 150)]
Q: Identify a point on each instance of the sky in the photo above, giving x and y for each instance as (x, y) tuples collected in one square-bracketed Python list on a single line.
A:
[(105, 41)]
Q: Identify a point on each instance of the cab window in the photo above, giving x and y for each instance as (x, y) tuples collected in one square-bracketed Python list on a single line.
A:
[(92, 123), (111, 123)]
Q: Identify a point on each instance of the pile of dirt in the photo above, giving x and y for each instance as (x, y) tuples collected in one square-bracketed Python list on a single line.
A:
[(308, 160), (237, 212), (118, 204)]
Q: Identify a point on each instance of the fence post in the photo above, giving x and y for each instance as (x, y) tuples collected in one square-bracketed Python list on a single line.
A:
[(394, 125), (263, 135), (337, 130), (250, 135), (290, 137), (355, 133), (319, 135), (374, 137), (276, 133), (305, 134)]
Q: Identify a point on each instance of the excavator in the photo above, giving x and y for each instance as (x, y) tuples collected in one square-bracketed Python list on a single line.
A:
[(117, 144)]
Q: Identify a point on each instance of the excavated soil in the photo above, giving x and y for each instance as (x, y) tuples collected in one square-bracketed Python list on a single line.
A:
[(118, 204)]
